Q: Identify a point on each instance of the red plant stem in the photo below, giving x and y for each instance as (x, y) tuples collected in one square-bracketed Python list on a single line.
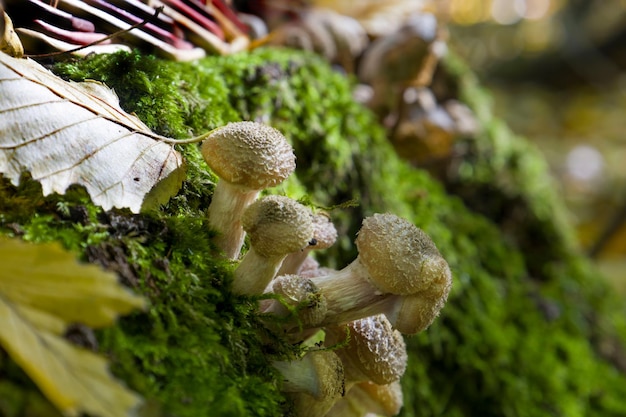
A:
[(197, 17), (148, 27), (75, 37), (229, 13)]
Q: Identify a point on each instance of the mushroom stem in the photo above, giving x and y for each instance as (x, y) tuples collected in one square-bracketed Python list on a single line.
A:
[(292, 263), (347, 301), (314, 383), (367, 398), (229, 201), (252, 272)]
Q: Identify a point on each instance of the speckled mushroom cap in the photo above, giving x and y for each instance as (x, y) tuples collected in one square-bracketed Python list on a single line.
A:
[(375, 351), (278, 225), (249, 154), (400, 258), (325, 233), (300, 290)]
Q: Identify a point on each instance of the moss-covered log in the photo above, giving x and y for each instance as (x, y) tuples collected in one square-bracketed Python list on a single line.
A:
[(529, 328)]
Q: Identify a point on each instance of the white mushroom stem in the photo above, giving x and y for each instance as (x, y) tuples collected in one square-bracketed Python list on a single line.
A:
[(276, 226), (228, 202), (367, 398), (349, 296), (255, 271), (314, 383), (292, 262)]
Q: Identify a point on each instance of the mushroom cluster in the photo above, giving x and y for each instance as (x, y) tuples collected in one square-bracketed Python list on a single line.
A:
[(396, 285)]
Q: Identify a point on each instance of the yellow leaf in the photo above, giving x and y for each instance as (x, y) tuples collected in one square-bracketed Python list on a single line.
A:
[(49, 279), (9, 41), (42, 289)]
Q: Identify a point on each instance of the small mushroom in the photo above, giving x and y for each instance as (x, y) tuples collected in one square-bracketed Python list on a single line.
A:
[(314, 383), (277, 226), (324, 235), (374, 350), (301, 299), (248, 157), (396, 260)]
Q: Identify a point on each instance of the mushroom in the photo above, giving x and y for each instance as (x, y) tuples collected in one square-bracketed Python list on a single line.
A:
[(374, 351), (398, 267), (369, 349), (314, 382), (277, 226), (324, 235), (248, 157), (367, 398), (300, 303)]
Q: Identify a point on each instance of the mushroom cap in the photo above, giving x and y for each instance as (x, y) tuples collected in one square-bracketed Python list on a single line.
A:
[(278, 225), (400, 258), (304, 294), (416, 312), (325, 233), (374, 352), (249, 154)]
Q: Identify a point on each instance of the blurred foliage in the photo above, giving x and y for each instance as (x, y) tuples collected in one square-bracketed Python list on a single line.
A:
[(558, 79)]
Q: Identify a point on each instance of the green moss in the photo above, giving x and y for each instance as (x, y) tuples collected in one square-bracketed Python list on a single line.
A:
[(504, 345)]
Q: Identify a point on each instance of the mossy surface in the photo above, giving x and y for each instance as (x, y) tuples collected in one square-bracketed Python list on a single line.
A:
[(505, 345)]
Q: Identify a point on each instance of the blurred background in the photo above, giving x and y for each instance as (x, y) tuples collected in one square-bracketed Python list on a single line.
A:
[(557, 69)]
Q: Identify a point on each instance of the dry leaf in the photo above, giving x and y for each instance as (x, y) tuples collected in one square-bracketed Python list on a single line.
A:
[(67, 133), (42, 289), (9, 41)]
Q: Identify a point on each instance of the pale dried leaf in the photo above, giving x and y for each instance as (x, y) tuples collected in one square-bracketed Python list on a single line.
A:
[(42, 289), (76, 133)]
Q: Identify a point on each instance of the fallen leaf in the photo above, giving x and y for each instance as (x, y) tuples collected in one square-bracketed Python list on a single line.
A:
[(9, 41), (42, 290), (67, 133)]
